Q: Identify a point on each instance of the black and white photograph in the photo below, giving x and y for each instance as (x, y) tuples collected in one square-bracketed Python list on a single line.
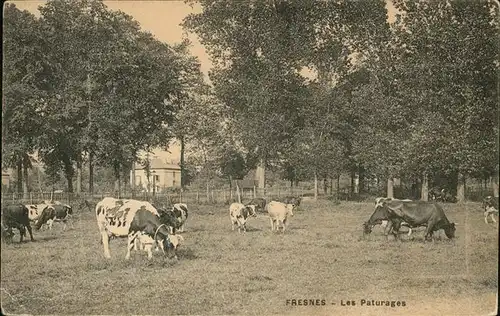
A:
[(250, 157)]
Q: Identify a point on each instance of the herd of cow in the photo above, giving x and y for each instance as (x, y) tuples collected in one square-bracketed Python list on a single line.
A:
[(149, 226)]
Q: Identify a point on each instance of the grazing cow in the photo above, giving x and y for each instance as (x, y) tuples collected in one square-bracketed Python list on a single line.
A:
[(259, 204), (133, 219), (55, 213), (15, 216), (239, 214), (414, 213), (181, 213), (279, 212), (490, 206)]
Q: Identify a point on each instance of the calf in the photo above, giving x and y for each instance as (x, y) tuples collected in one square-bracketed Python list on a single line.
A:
[(55, 213), (239, 214), (15, 216), (133, 219), (259, 204), (279, 212), (490, 207)]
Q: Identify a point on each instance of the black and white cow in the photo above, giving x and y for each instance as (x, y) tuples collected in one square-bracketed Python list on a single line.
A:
[(35, 210), (133, 219), (181, 213), (55, 213), (490, 207), (15, 216), (239, 215)]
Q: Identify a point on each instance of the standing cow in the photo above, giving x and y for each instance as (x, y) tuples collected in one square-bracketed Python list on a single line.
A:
[(490, 207), (15, 216), (133, 219), (181, 213), (278, 213), (55, 213), (238, 214)]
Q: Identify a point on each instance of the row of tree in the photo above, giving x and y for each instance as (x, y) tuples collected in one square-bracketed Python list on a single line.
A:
[(415, 98), (85, 85), (312, 89)]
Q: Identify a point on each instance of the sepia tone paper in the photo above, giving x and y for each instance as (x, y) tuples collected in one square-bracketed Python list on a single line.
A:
[(322, 264)]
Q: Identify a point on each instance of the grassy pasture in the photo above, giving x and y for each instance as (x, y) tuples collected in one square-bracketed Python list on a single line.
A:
[(322, 255)]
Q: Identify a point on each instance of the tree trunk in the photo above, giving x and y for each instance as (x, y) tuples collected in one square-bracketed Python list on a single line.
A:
[(424, 196), (325, 186), (91, 173), (132, 179), (19, 176), (261, 174), (79, 176), (231, 188), (315, 185), (337, 187), (182, 163), (238, 192), (361, 179), (494, 185), (461, 188), (390, 187), (25, 177), (353, 175)]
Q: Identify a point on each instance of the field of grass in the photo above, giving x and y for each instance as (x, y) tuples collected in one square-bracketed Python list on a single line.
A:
[(322, 255)]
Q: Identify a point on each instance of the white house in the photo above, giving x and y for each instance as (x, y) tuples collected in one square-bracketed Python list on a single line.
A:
[(164, 167)]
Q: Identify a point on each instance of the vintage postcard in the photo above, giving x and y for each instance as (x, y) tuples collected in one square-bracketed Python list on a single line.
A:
[(250, 157)]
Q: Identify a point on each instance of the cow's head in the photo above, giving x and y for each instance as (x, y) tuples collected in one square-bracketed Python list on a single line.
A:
[(168, 218), (251, 210), (289, 209), (449, 230), (367, 228)]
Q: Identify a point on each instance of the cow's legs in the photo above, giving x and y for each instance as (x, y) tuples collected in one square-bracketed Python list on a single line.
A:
[(105, 243), (486, 213), (272, 224), (148, 248), (493, 217), (395, 230), (22, 232), (130, 244), (30, 231), (284, 225), (428, 231)]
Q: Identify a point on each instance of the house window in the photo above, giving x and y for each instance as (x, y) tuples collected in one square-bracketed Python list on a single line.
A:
[(138, 180), (157, 178)]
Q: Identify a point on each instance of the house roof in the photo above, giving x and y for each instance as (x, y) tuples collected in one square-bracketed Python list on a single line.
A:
[(159, 164)]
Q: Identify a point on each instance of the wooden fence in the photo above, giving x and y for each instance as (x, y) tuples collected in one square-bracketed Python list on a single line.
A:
[(209, 196)]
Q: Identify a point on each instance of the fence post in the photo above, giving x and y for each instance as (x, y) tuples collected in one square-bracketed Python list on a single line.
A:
[(254, 193), (197, 196), (224, 195), (213, 196)]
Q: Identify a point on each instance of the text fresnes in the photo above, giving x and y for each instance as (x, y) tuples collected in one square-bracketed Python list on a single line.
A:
[(364, 302)]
